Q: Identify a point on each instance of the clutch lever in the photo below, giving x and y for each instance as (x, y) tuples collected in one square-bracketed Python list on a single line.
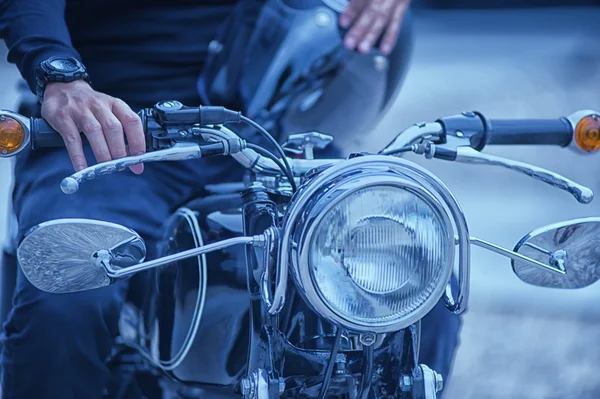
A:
[(178, 152)]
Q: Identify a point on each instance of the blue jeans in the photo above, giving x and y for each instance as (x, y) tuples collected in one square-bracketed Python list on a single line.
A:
[(55, 345)]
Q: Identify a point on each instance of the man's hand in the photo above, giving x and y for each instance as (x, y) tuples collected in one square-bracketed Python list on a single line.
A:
[(71, 108), (369, 20)]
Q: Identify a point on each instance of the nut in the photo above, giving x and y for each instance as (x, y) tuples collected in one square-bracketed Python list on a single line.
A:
[(281, 385), (246, 386), (405, 383), (322, 18), (367, 339)]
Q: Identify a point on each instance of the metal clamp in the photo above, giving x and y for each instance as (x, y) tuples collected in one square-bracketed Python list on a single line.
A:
[(306, 142), (273, 301), (256, 385), (433, 382)]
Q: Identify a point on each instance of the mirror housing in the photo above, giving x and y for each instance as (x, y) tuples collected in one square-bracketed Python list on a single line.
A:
[(65, 255), (572, 246)]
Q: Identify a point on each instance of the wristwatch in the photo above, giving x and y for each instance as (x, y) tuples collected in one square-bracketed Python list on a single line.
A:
[(58, 69)]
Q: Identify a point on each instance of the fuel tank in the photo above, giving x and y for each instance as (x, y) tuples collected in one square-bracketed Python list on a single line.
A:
[(173, 324)]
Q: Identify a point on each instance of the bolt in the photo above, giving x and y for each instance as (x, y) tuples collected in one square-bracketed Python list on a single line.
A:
[(4, 152), (469, 114), (246, 386), (459, 134), (405, 383), (439, 381), (2, 118), (281, 385), (322, 18), (168, 104), (215, 47), (367, 339), (381, 63)]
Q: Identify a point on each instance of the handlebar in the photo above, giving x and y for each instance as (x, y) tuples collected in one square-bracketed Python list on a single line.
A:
[(43, 136), (534, 131), (480, 130), (175, 132)]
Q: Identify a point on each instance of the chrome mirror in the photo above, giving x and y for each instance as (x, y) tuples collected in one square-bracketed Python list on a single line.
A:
[(572, 247), (62, 256)]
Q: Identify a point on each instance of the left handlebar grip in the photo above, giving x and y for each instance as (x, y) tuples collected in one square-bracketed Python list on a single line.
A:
[(43, 136)]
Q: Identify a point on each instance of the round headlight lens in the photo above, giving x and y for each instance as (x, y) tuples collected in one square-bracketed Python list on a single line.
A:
[(378, 254)]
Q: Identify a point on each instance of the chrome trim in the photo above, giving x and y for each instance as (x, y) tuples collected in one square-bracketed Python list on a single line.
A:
[(119, 273), (469, 155), (574, 119), (256, 385), (25, 123), (575, 241), (433, 382), (172, 364), (272, 237), (179, 152), (55, 257), (513, 255), (312, 219), (406, 168)]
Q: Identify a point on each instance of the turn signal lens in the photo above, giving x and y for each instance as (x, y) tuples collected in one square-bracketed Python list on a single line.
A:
[(587, 133), (12, 135)]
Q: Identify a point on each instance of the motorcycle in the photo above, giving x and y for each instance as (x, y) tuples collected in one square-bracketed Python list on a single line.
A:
[(310, 277)]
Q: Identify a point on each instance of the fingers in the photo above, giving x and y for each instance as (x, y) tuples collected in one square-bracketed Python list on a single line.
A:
[(393, 29), (352, 10), (112, 130), (373, 32), (370, 19), (62, 121), (75, 107), (92, 128), (132, 125)]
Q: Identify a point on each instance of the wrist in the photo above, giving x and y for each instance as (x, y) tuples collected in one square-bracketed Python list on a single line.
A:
[(59, 70)]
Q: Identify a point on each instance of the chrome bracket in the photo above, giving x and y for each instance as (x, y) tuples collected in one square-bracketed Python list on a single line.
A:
[(256, 385), (432, 381)]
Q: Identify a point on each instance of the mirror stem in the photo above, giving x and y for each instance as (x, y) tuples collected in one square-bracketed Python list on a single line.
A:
[(513, 255), (113, 272)]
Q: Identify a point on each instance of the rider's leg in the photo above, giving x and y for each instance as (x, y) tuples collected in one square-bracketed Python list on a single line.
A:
[(55, 344)]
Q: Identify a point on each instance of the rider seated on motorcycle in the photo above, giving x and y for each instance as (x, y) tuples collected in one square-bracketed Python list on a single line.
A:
[(93, 64)]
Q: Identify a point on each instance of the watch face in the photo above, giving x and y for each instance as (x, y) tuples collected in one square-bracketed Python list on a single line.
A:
[(63, 65)]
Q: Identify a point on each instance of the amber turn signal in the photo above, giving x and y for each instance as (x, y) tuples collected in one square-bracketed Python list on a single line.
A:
[(587, 133), (12, 135)]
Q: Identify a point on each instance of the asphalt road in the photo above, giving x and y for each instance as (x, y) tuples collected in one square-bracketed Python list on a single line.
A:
[(518, 341)]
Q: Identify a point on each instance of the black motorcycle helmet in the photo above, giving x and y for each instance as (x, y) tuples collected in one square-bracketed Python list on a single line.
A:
[(283, 63)]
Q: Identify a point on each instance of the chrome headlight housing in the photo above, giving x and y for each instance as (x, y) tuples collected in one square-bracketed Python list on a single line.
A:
[(370, 247)]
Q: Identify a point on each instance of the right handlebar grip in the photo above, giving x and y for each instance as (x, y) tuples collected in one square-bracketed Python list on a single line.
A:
[(43, 136), (536, 132)]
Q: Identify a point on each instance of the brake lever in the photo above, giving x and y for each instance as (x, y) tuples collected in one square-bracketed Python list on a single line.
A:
[(581, 193), (467, 154)]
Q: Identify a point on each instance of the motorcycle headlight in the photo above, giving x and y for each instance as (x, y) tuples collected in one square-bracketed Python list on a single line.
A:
[(372, 249)]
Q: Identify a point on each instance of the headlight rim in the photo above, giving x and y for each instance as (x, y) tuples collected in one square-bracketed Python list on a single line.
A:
[(305, 278)]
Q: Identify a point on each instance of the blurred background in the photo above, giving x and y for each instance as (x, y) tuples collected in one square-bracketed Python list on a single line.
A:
[(507, 59)]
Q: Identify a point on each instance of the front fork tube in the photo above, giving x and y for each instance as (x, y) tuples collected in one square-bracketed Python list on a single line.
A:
[(259, 214)]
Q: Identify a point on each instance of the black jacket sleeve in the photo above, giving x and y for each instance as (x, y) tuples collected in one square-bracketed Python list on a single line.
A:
[(33, 31)]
